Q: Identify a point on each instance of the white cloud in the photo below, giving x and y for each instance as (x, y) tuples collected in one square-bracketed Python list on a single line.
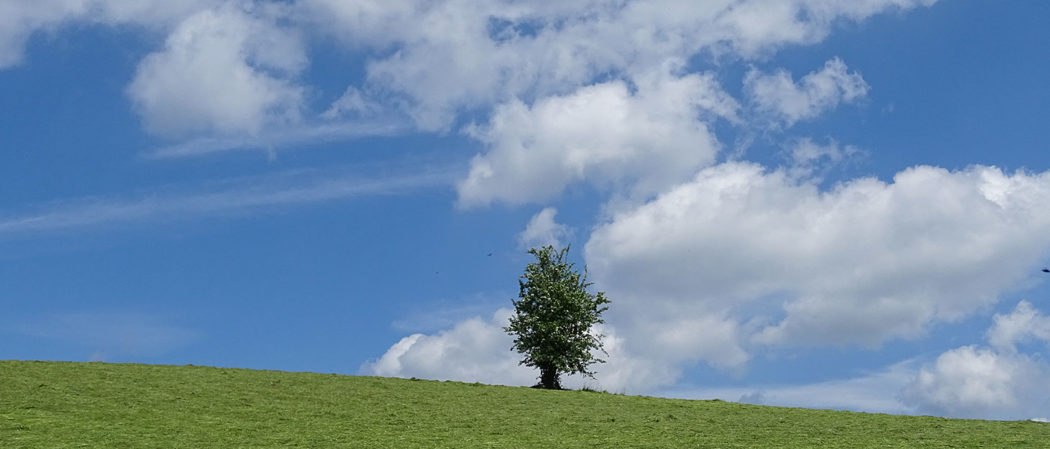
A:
[(625, 371), (997, 382), (785, 101), (773, 261), (741, 258), (973, 382), (968, 382), (478, 350), (474, 350), (451, 55), (967, 377), (229, 70), (697, 335), (231, 67), (1024, 323), (542, 230), (602, 134)]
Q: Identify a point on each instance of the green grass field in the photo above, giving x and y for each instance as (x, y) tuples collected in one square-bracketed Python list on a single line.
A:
[(63, 405)]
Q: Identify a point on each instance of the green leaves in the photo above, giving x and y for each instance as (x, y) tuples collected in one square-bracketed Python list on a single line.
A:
[(554, 317)]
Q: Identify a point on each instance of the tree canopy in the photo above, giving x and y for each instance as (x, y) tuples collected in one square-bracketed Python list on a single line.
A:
[(554, 318)]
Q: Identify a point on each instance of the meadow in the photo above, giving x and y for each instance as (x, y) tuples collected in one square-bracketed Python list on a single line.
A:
[(98, 405)]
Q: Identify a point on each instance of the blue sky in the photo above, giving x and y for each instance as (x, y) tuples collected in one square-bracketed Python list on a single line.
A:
[(834, 205)]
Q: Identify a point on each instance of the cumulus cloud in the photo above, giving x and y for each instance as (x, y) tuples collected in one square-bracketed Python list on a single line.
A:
[(474, 350), (1024, 323), (699, 334), (450, 55), (542, 230), (430, 59), (740, 259), (478, 350), (231, 67), (603, 134), (229, 70), (989, 382), (975, 382), (779, 262), (788, 102)]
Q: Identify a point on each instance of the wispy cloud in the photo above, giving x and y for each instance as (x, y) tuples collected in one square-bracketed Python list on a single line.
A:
[(240, 196), (280, 138), (107, 334)]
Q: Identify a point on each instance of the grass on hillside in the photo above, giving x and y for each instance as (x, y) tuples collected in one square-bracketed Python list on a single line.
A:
[(64, 405)]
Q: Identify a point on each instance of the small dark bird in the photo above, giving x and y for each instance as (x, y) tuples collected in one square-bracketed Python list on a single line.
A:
[(490, 254), (1046, 270)]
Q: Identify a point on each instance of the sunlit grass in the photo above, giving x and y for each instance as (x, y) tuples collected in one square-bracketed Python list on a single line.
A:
[(61, 405)]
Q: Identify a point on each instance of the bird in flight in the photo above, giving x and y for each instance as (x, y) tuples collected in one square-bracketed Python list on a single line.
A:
[(1046, 270)]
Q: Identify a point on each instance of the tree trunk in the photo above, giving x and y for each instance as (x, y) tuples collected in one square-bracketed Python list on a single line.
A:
[(549, 378)]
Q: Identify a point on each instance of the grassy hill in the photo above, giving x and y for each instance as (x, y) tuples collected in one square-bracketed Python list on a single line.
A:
[(62, 405)]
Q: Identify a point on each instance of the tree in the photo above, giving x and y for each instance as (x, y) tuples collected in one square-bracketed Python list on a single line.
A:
[(553, 319)]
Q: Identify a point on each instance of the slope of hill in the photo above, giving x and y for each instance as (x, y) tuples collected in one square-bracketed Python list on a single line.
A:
[(57, 404)]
